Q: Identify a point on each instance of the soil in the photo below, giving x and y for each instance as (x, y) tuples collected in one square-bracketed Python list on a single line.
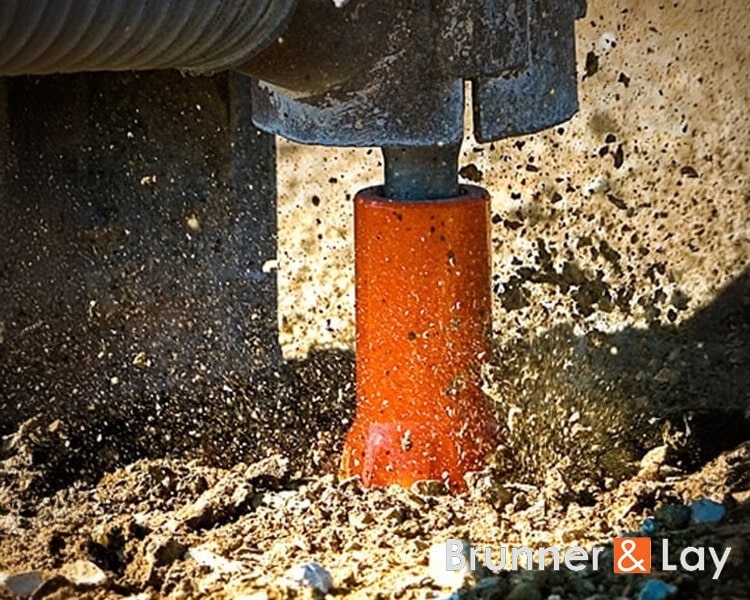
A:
[(181, 528)]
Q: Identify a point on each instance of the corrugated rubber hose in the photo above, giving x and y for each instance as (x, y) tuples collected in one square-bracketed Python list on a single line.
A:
[(65, 36)]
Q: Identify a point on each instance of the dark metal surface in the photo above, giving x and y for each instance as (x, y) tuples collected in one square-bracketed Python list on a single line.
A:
[(406, 88), (421, 172), (54, 36), (545, 92), (397, 92), (323, 46)]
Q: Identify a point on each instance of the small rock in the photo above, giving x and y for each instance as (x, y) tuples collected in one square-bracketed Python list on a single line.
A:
[(525, 591), (649, 526), (429, 487), (269, 472), (655, 589), (229, 497), (312, 575), (454, 577), (673, 516), (22, 584), (652, 462), (485, 488), (706, 511), (168, 550), (205, 557), (84, 573), (56, 588)]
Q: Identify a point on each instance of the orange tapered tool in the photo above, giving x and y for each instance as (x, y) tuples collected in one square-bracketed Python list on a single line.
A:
[(423, 323)]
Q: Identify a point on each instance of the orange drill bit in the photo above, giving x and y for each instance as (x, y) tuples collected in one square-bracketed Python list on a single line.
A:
[(423, 323)]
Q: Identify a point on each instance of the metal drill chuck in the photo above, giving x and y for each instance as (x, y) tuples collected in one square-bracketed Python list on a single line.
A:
[(392, 73)]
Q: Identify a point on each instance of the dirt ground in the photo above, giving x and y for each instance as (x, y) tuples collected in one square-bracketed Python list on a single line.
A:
[(591, 454), (180, 529)]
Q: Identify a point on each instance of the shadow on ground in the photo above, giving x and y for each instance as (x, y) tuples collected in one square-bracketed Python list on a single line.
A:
[(582, 411)]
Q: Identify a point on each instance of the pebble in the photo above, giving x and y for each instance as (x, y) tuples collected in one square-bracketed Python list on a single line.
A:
[(438, 565), (652, 462), (706, 511), (525, 591), (22, 584), (487, 489), (205, 557), (673, 516), (655, 589), (84, 573), (168, 550), (312, 575), (429, 487), (649, 526)]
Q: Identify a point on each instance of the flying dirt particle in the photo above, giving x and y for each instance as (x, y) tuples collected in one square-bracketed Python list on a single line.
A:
[(592, 64), (515, 296), (618, 156), (689, 171), (471, 172), (270, 265), (618, 202), (140, 360)]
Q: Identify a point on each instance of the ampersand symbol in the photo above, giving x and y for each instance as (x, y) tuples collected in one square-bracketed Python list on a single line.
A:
[(628, 547)]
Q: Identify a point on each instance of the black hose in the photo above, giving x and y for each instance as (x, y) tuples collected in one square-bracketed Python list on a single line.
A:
[(63, 36)]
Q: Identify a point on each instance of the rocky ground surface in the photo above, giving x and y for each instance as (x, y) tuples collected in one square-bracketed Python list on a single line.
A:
[(169, 528)]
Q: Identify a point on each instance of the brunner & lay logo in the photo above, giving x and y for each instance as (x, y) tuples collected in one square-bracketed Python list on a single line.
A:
[(632, 555)]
